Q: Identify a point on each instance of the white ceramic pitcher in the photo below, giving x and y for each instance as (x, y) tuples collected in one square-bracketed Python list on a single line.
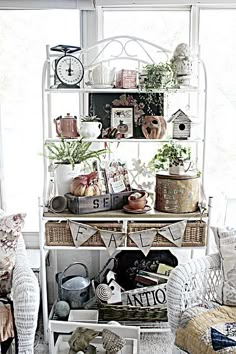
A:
[(102, 76)]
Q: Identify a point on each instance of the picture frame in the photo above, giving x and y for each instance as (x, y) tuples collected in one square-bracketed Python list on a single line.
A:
[(122, 118)]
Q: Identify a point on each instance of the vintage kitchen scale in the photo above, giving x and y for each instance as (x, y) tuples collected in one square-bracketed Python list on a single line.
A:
[(68, 69)]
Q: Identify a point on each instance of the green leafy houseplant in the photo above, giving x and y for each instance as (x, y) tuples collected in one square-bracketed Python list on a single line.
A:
[(158, 76), (72, 152), (170, 154)]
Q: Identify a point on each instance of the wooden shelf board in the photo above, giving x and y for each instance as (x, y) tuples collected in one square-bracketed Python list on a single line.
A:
[(120, 214)]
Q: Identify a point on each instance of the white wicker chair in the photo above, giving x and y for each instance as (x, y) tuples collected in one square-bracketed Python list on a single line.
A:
[(190, 283), (25, 293)]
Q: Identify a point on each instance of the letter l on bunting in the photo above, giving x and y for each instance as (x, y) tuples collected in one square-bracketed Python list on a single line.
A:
[(143, 239)]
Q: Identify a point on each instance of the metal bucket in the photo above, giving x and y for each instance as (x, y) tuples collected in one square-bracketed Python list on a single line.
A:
[(73, 289)]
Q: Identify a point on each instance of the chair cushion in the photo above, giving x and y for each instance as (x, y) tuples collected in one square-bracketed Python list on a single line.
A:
[(10, 230), (205, 330), (226, 243), (6, 321)]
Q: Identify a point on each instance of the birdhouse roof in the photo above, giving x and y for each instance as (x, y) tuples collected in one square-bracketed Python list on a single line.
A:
[(176, 115)]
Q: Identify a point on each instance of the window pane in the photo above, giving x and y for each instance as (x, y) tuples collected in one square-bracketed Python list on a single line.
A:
[(218, 50), (24, 35), (165, 28)]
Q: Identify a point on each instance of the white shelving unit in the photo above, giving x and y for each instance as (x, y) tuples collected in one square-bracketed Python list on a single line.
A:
[(117, 215)]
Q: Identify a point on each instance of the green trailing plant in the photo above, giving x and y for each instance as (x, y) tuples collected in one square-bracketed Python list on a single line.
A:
[(169, 154), (72, 152), (89, 119), (158, 76)]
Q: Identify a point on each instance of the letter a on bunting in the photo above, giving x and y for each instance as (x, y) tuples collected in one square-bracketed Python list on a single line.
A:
[(112, 240), (143, 239), (174, 232), (81, 232)]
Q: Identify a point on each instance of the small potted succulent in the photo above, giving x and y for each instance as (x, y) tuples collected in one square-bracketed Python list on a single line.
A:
[(90, 127), (157, 76), (172, 157)]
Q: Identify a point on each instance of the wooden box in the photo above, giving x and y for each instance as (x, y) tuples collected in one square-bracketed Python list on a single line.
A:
[(86, 205), (118, 200), (126, 79)]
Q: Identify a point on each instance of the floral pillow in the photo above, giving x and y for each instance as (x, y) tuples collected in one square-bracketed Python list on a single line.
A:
[(10, 230), (226, 243)]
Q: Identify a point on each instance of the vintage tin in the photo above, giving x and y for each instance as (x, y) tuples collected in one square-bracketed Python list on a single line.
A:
[(176, 194)]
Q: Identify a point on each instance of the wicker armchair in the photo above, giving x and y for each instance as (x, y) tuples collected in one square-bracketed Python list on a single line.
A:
[(25, 293), (191, 283)]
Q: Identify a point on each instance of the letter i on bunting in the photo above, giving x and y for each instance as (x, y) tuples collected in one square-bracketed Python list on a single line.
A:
[(174, 232), (112, 240), (81, 232), (143, 239)]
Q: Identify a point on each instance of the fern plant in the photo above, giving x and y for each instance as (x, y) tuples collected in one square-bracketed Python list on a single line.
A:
[(72, 152)]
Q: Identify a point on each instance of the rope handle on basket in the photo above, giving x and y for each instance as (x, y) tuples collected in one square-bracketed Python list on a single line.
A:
[(105, 266)]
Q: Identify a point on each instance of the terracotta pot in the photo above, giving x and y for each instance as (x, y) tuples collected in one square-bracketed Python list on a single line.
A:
[(138, 203)]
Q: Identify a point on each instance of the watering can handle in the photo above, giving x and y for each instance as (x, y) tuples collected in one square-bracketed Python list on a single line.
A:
[(72, 265)]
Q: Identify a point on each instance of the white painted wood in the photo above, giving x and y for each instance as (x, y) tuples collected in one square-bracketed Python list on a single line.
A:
[(47, 4)]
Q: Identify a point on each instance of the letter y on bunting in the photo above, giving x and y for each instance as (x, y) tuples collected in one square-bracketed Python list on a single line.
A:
[(174, 232), (81, 232)]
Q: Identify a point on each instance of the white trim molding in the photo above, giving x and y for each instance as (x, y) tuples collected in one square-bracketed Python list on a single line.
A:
[(47, 4), (143, 3)]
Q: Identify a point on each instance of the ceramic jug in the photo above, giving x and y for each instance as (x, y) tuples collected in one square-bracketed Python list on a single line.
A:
[(90, 130), (102, 76), (66, 127)]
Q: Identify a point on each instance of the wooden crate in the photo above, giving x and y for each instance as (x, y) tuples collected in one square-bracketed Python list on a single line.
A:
[(194, 236), (118, 200), (85, 205), (59, 234)]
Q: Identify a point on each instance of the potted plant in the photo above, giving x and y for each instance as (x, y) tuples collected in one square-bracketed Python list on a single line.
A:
[(157, 76), (172, 157), (90, 127), (68, 156)]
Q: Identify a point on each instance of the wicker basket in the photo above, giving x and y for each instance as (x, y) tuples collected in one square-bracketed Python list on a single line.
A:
[(131, 313), (58, 233), (194, 236)]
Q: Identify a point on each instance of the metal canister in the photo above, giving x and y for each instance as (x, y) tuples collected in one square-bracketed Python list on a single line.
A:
[(176, 193)]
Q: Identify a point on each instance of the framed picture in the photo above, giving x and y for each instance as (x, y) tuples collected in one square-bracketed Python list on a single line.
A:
[(122, 118), (149, 103)]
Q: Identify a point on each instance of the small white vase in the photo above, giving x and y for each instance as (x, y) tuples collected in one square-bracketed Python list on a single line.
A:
[(90, 130), (64, 176)]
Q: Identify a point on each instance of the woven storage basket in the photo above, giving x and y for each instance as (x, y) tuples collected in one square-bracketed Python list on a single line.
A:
[(58, 233), (194, 236), (131, 313)]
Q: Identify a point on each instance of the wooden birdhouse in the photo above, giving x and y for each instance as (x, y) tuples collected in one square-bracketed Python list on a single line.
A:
[(181, 125)]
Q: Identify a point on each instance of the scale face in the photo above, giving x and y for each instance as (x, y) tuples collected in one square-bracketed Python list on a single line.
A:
[(68, 69)]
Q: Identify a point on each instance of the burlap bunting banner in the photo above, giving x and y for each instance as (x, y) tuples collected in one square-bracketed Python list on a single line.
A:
[(81, 232), (112, 240), (174, 232), (143, 239)]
